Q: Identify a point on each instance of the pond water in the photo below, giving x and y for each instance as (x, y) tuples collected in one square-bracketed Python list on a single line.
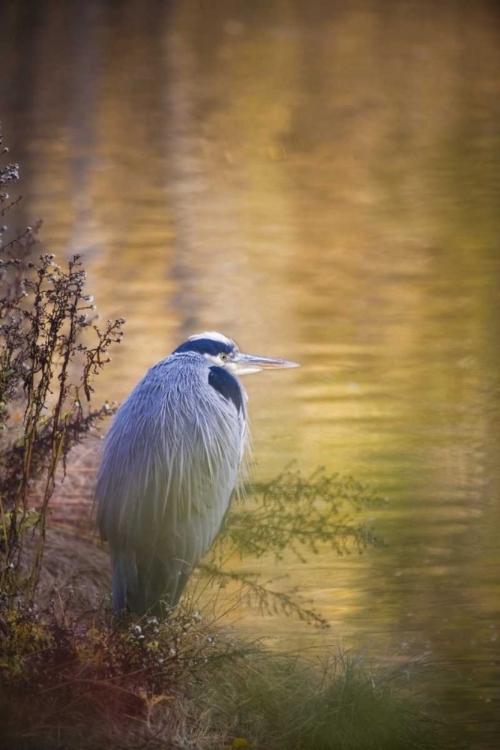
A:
[(319, 181)]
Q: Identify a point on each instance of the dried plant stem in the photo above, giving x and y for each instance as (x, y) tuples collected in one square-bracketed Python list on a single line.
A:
[(44, 367)]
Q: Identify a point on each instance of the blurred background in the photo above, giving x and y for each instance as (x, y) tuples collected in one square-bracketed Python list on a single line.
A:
[(320, 181)]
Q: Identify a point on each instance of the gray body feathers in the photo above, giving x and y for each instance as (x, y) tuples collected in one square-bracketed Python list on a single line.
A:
[(170, 465)]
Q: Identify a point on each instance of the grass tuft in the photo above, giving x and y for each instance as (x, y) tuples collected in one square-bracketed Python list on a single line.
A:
[(188, 683)]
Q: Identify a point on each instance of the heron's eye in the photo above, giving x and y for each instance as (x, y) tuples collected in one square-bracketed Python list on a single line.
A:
[(223, 357)]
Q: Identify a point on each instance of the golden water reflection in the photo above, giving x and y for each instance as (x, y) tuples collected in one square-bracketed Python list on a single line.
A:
[(319, 181)]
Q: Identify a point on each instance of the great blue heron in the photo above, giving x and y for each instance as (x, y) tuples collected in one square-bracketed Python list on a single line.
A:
[(169, 468)]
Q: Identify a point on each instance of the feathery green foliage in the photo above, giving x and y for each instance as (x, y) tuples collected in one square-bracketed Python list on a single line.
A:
[(297, 513)]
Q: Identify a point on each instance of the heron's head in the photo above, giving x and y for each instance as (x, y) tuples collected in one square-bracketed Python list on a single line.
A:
[(223, 352)]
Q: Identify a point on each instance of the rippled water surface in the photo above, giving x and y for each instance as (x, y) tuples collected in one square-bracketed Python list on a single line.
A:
[(320, 181)]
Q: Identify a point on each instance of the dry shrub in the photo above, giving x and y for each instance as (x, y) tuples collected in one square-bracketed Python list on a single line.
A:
[(46, 373), (73, 677)]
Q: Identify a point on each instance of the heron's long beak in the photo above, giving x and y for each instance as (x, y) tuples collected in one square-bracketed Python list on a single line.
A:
[(245, 364)]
